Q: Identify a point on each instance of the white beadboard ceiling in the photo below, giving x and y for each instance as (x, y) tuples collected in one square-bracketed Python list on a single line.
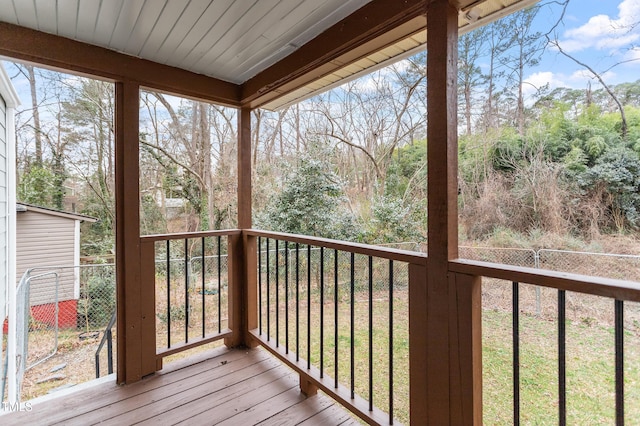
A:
[(232, 40), (228, 39)]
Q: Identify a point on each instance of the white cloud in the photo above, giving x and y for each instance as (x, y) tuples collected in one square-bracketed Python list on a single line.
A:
[(577, 80), (632, 54), (604, 32), (539, 79), (580, 78)]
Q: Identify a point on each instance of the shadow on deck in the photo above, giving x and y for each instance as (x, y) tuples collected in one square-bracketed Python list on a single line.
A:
[(222, 386)]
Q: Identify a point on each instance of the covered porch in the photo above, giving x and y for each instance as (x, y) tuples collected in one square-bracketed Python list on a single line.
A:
[(266, 303)]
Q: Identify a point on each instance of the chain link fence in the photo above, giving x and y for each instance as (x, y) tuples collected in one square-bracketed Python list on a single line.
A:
[(70, 307), (77, 299), (62, 312), (191, 290), (542, 301)]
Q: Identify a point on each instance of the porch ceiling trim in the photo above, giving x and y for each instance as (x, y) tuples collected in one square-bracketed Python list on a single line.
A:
[(373, 27), (472, 15)]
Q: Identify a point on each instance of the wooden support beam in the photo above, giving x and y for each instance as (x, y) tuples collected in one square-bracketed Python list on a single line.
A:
[(69, 55), (244, 168), (453, 370), (375, 26), (133, 316), (243, 256)]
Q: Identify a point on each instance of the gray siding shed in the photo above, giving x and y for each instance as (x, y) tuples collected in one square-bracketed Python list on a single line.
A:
[(45, 239)]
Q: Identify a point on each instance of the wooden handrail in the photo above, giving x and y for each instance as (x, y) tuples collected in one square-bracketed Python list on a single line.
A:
[(183, 235), (147, 244), (399, 255), (606, 287)]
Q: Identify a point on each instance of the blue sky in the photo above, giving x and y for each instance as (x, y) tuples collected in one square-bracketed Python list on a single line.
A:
[(600, 33)]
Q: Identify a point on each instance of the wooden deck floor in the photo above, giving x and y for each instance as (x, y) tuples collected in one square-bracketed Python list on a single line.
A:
[(226, 387)]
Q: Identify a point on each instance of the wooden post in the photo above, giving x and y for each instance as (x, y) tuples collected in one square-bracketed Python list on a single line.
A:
[(242, 249), (465, 324), (452, 388), (244, 168), (417, 343), (148, 307), (136, 358), (235, 267)]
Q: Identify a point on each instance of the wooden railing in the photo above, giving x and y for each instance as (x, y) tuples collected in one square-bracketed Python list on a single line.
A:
[(341, 315), (618, 292), (189, 277), (330, 310)]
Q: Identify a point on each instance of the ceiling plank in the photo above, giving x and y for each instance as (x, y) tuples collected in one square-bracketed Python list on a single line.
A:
[(26, 13), (166, 22), (207, 26), (87, 19), (8, 10), (147, 21), (354, 37), (61, 53), (231, 25), (129, 15), (169, 49), (46, 9), (67, 18), (108, 14)]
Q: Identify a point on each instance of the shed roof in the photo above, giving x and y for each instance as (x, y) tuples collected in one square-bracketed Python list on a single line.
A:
[(24, 207)]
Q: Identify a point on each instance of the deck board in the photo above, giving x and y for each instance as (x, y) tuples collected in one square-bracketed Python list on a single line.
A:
[(226, 387)]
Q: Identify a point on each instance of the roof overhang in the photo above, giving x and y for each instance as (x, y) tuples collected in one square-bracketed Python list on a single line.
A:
[(7, 91), (375, 35), (401, 43)]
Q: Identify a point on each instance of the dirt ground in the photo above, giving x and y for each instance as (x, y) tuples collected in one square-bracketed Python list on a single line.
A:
[(77, 356)]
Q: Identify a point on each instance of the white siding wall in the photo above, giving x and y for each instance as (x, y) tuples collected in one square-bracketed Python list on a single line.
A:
[(3, 207), (9, 102), (45, 241)]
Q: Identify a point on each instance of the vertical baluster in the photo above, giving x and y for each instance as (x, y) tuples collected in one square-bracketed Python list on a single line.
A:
[(260, 286), (204, 311), (109, 351), (308, 306), (297, 301), (352, 325), (321, 312), (268, 297), (286, 297), (335, 318), (168, 294), (370, 333), (186, 290), (516, 353), (390, 341), (619, 337), (277, 295), (219, 283), (562, 358)]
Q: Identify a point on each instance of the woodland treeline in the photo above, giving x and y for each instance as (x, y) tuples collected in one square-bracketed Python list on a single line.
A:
[(350, 163)]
